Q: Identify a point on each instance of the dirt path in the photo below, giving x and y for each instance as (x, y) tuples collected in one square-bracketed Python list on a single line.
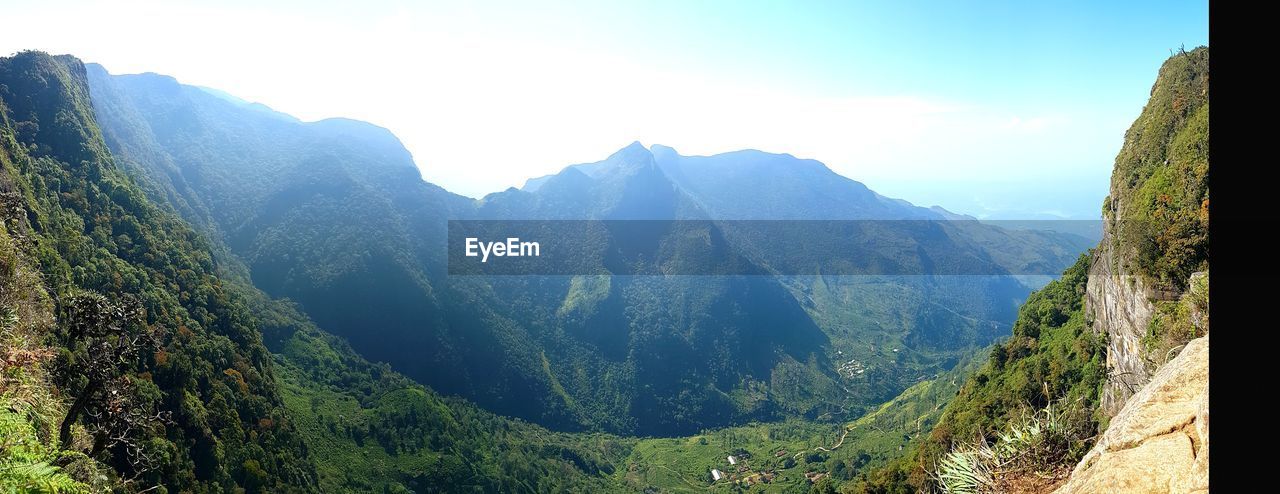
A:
[(652, 464), (833, 447)]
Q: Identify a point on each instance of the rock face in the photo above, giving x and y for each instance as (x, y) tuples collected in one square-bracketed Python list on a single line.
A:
[(1155, 233), (1159, 440), (1118, 306), (1155, 222)]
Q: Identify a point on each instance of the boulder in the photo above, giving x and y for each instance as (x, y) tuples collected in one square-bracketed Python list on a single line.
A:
[(1159, 441)]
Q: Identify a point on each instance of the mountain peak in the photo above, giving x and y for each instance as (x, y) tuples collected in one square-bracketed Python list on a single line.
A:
[(660, 150), (632, 153)]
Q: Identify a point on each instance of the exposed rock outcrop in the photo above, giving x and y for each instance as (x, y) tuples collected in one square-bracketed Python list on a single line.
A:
[(1155, 222), (1148, 294), (1159, 441), (1118, 306)]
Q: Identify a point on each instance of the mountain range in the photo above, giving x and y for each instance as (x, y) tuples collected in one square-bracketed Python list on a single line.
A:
[(332, 215), (310, 336)]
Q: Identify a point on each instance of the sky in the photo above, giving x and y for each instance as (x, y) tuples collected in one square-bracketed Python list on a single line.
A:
[(986, 108)]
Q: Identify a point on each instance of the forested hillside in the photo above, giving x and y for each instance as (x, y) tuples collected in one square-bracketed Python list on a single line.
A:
[(167, 248), (172, 383), (332, 215), (135, 352), (1040, 400)]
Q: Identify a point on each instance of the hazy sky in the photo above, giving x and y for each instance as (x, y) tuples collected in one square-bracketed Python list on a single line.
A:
[(486, 94)]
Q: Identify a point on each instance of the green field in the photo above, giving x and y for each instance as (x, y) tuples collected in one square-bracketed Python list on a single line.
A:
[(775, 457)]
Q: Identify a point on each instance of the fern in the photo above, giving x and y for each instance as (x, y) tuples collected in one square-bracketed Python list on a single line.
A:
[(37, 478), (25, 459)]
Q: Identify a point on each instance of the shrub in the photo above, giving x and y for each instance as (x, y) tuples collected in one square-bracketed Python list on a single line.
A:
[(1044, 442)]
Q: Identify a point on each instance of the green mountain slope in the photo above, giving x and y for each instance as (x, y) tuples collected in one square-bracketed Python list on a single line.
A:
[(1157, 217), (313, 416), (90, 228), (370, 429), (333, 215), (1158, 207), (775, 457), (899, 329), (30, 409)]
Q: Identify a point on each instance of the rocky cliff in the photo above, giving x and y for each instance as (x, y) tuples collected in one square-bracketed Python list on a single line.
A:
[(1155, 224), (1119, 307), (1159, 440), (1148, 294)]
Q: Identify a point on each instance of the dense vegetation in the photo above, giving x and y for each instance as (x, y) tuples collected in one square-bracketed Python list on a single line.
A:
[(1176, 322), (1159, 202), (790, 456), (1053, 357), (1047, 377), (90, 228), (206, 407), (228, 389), (332, 214), (30, 456), (373, 430)]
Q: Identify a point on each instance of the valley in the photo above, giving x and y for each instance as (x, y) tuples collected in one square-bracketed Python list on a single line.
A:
[(303, 330), (636, 355)]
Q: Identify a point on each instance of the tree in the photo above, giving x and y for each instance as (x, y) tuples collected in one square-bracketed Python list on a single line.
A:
[(823, 486), (105, 340)]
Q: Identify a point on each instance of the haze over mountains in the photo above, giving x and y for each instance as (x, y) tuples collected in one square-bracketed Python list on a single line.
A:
[(750, 185), (272, 261), (332, 214)]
